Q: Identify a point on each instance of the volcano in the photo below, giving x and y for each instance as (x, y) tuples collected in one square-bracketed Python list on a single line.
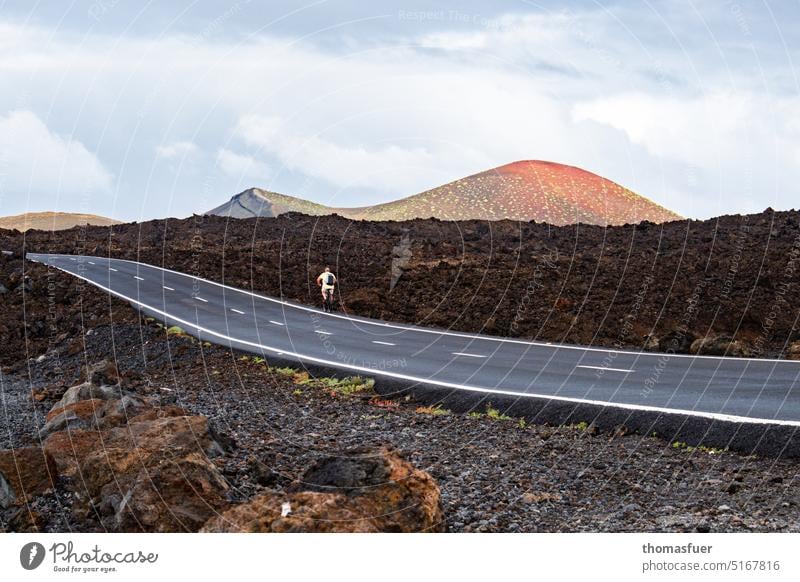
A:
[(527, 190)]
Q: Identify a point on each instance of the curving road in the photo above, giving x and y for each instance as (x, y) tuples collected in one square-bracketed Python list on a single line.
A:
[(754, 391)]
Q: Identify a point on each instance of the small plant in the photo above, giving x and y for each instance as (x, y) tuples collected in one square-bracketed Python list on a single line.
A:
[(175, 330), (582, 425), (475, 415), (345, 386), (297, 392), (495, 414), (679, 445), (258, 360), (522, 423), (433, 410), (285, 371), (244, 359)]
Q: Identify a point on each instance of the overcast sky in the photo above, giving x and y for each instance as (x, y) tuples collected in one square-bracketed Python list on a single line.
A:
[(141, 112)]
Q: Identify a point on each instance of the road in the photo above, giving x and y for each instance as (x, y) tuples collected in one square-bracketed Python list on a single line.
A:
[(740, 390)]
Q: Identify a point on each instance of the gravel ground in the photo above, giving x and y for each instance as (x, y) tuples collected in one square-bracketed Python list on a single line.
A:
[(496, 474)]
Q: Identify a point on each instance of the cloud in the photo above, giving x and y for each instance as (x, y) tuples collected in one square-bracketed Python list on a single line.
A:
[(702, 124), (176, 150), (388, 167), (33, 159), (241, 166)]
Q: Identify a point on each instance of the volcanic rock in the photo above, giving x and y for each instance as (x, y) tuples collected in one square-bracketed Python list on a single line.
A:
[(24, 474), (367, 491)]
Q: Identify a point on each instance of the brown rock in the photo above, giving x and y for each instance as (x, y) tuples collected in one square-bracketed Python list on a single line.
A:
[(148, 475), (95, 413), (793, 353), (24, 474), (174, 496), (25, 520), (375, 491), (49, 393), (720, 345)]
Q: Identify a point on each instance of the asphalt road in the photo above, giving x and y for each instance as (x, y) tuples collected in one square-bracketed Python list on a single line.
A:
[(756, 391)]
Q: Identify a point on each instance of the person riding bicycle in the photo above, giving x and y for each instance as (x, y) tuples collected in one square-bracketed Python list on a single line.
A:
[(327, 283)]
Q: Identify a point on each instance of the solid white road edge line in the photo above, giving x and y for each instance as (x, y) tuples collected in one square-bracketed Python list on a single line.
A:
[(378, 372), (452, 333), (604, 368)]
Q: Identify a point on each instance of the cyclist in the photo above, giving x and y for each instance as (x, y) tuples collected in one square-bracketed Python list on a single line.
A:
[(327, 282)]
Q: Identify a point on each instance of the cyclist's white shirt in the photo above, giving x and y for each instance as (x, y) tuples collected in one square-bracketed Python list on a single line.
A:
[(323, 277)]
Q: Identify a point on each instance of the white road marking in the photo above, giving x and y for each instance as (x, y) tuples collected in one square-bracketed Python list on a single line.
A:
[(458, 334), (201, 299), (378, 372), (468, 355), (72, 259), (276, 322), (168, 288), (91, 263), (383, 343), (605, 368), (237, 311), (322, 332), (138, 278), (112, 269)]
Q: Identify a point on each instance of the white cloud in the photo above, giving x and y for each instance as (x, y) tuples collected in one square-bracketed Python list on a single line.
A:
[(687, 121), (176, 150), (33, 159), (241, 166)]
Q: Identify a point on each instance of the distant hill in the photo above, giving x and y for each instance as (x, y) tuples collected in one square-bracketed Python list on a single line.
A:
[(52, 220), (529, 190)]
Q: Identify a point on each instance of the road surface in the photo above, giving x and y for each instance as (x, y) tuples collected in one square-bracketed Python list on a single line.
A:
[(758, 391)]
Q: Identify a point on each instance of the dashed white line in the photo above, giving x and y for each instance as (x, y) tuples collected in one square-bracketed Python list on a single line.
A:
[(276, 322), (71, 259), (237, 311), (605, 368), (479, 389), (322, 332), (201, 299), (168, 288), (138, 278), (112, 269), (91, 262), (468, 355), (383, 343)]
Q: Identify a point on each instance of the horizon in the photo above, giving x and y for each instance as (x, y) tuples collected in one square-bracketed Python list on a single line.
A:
[(137, 114)]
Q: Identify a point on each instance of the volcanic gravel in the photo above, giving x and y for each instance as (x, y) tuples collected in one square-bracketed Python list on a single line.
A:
[(496, 475)]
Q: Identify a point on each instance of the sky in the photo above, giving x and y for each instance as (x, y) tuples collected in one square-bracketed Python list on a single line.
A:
[(140, 110)]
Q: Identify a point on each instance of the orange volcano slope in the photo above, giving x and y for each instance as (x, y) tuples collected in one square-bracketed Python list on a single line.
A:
[(529, 190)]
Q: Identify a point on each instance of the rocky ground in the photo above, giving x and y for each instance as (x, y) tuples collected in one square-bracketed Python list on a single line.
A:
[(177, 435)]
